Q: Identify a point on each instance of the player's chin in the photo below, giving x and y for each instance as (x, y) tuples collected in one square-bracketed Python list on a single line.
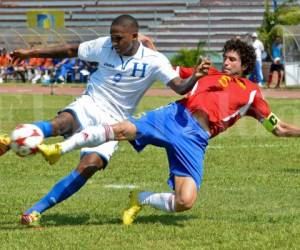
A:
[(227, 71), (118, 50)]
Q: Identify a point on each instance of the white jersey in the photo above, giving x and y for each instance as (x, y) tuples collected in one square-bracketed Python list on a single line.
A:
[(259, 48), (120, 81)]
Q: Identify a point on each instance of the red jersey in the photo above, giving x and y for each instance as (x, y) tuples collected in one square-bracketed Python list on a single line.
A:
[(225, 99)]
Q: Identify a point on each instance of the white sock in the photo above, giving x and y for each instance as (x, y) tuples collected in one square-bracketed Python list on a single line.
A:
[(161, 201), (89, 137)]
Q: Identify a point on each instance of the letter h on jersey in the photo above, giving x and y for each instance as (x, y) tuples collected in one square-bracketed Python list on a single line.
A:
[(138, 69)]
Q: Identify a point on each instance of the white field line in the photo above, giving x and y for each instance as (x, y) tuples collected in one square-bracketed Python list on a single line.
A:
[(120, 186)]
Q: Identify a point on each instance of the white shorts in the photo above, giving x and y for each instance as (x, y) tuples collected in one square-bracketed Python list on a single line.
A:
[(87, 112)]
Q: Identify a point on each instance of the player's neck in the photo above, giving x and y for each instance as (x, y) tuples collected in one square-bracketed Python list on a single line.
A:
[(134, 49)]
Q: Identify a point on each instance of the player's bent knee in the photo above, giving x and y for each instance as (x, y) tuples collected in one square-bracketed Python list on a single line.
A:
[(184, 203), (89, 165), (64, 124)]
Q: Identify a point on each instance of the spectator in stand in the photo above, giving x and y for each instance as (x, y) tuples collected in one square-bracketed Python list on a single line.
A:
[(7, 68), (257, 75), (1, 67), (277, 69), (63, 68), (20, 70), (78, 71), (34, 71), (47, 69), (4, 64)]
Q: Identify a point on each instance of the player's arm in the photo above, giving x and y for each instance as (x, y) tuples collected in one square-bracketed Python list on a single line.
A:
[(280, 128), (60, 51), (284, 129), (183, 86), (261, 111)]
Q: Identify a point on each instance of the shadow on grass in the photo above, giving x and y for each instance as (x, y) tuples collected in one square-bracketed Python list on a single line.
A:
[(64, 219), (57, 219), (165, 219), (292, 170), (85, 219)]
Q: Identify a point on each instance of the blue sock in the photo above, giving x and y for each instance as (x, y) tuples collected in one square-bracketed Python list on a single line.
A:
[(61, 191), (45, 126)]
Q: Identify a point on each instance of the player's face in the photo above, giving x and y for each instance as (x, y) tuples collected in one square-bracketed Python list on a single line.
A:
[(123, 41), (232, 64)]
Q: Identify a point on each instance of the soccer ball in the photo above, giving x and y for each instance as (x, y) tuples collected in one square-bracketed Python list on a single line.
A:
[(25, 139)]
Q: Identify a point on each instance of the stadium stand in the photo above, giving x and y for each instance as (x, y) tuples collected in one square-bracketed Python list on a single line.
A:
[(167, 21), (210, 21), (90, 13)]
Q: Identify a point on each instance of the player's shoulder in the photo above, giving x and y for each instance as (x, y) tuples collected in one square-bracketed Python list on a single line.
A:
[(104, 41), (150, 54), (251, 85)]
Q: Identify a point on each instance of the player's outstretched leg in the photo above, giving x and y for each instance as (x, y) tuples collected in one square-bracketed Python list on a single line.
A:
[(4, 144), (51, 152), (161, 201), (61, 191), (134, 208), (89, 137)]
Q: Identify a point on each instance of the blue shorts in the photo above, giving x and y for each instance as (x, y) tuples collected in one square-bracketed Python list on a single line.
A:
[(175, 129)]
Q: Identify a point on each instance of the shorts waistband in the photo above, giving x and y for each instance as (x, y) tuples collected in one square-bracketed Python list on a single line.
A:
[(200, 118)]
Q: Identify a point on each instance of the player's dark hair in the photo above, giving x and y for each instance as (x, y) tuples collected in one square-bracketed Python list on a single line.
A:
[(245, 51), (127, 21)]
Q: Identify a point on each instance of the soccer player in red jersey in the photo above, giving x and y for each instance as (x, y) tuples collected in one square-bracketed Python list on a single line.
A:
[(183, 128)]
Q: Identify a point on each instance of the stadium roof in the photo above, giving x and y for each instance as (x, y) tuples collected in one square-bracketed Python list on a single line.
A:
[(26, 37)]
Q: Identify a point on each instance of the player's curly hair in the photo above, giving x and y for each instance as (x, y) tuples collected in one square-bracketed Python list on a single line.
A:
[(246, 52)]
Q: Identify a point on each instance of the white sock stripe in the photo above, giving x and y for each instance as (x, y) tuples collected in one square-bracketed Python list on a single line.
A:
[(172, 203)]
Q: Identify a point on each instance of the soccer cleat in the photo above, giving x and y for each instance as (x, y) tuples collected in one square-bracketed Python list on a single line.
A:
[(135, 207), (51, 152), (32, 219), (4, 144)]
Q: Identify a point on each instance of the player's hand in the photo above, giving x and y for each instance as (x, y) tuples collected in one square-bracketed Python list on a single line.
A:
[(18, 55), (202, 67), (147, 41)]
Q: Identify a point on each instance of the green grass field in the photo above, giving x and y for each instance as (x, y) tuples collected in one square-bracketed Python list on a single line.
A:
[(249, 199)]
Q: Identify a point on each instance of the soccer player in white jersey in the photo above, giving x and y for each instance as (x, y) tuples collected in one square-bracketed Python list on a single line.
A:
[(126, 70)]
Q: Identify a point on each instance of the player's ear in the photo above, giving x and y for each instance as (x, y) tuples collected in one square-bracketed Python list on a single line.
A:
[(244, 67)]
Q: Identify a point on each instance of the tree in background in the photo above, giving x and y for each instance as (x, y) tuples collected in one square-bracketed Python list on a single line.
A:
[(286, 13), (188, 57)]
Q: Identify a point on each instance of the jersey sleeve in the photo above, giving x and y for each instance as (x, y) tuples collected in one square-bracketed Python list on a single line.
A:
[(260, 109), (165, 72), (90, 50), (184, 72)]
